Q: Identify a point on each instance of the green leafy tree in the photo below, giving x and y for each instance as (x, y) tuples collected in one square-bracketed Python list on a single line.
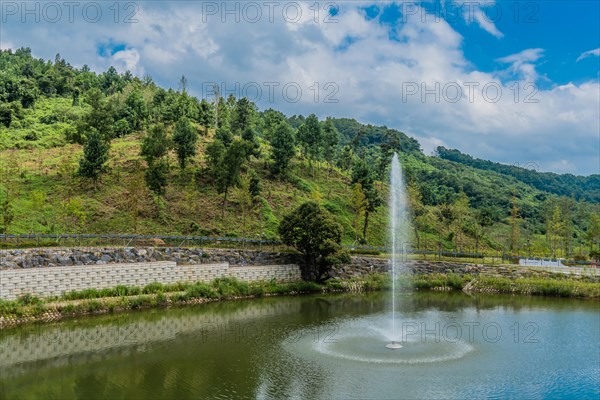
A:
[(224, 135), (593, 231), (95, 156), (314, 233), (345, 158), (155, 147), (483, 219), (310, 138), (100, 117), (417, 210), (330, 140), (136, 109), (122, 128), (252, 145), (282, 148), (270, 121), (361, 173), (244, 117), (155, 144), (214, 158), (206, 115), (184, 140), (254, 186), (225, 164), (223, 114), (156, 176)]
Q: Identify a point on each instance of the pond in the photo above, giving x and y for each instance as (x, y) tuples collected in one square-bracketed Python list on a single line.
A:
[(315, 347)]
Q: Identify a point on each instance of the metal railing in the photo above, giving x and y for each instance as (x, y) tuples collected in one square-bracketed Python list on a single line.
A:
[(107, 239)]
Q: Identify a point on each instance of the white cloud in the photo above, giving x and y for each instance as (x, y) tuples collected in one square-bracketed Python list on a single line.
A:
[(472, 11), (128, 60), (522, 63), (589, 53)]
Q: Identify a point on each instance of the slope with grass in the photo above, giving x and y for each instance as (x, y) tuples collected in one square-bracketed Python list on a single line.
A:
[(46, 112)]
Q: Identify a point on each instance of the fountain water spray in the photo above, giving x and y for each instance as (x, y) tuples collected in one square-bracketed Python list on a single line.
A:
[(399, 228)]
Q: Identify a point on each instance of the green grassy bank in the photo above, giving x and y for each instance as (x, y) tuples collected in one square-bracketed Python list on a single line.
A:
[(29, 308)]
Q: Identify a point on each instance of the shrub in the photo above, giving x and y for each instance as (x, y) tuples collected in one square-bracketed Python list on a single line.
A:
[(8, 307), (92, 306), (155, 287), (29, 300), (200, 290)]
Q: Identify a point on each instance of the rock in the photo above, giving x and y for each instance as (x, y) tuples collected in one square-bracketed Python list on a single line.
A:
[(10, 264), (64, 260)]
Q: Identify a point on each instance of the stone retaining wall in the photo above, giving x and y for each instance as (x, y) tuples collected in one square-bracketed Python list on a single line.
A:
[(365, 265), (54, 257), (47, 282)]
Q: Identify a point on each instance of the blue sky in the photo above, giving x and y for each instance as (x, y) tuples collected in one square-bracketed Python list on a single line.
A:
[(391, 63)]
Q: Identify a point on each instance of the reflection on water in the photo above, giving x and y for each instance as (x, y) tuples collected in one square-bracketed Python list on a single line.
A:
[(314, 347)]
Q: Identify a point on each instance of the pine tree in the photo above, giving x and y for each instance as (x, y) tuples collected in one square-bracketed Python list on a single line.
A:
[(184, 140), (330, 140), (361, 173), (254, 185), (225, 164), (282, 148), (155, 147), (310, 138), (95, 156), (244, 117)]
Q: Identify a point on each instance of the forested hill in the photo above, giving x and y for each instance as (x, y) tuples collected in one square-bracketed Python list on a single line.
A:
[(109, 152), (581, 187)]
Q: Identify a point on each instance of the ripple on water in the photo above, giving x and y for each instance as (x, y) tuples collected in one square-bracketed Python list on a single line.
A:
[(364, 340)]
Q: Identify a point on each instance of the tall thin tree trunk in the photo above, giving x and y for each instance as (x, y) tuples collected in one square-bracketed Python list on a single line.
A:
[(223, 205), (366, 226)]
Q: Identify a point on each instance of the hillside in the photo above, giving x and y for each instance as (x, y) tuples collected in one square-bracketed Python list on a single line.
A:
[(580, 187), (50, 110)]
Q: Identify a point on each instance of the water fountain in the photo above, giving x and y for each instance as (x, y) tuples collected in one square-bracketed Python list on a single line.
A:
[(368, 339), (399, 228)]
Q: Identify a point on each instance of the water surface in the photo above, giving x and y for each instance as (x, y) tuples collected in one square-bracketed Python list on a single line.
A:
[(314, 347)]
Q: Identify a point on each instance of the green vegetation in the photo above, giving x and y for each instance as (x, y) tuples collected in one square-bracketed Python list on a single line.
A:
[(557, 286), (120, 298), (242, 170), (30, 308), (312, 231), (581, 187)]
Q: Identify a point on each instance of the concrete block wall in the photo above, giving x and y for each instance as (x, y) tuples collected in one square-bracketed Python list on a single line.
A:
[(55, 281), (283, 273)]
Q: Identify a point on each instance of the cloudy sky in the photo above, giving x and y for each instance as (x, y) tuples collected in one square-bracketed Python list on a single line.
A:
[(514, 82)]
